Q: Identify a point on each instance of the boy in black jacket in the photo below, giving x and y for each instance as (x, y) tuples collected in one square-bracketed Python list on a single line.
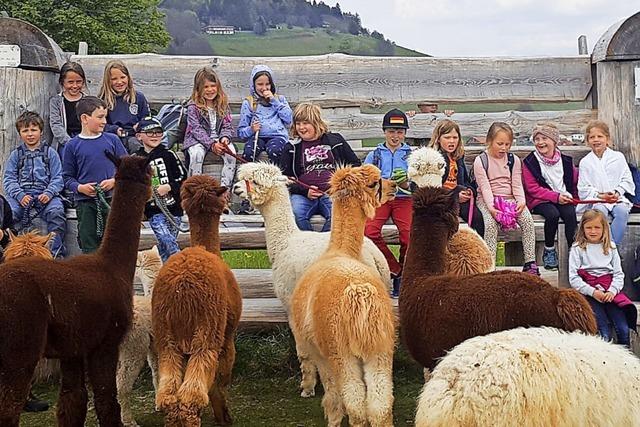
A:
[(168, 174)]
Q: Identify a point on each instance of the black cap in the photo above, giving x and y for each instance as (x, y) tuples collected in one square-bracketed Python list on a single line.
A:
[(395, 119), (149, 123)]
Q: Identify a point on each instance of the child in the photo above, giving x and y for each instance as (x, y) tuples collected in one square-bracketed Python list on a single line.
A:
[(595, 271), (447, 139), (605, 175), (167, 179), (499, 173), (62, 107), (33, 181), (209, 125), (126, 105), (86, 168), (391, 158), (551, 183), (312, 158), (264, 115)]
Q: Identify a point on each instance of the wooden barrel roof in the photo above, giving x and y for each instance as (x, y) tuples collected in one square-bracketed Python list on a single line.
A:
[(621, 42), (37, 50)]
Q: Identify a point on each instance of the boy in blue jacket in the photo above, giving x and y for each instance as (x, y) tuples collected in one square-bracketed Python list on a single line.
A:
[(33, 181), (391, 158), (86, 169)]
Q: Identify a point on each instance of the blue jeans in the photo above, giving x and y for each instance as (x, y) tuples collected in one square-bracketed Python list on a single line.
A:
[(53, 216), (304, 208), (166, 234), (272, 145), (607, 313), (620, 215)]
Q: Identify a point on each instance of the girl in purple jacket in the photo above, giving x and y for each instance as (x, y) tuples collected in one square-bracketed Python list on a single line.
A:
[(550, 181)]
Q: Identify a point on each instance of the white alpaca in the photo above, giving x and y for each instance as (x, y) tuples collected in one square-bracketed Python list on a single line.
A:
[(533, 377), (467, 251), (291, 250)]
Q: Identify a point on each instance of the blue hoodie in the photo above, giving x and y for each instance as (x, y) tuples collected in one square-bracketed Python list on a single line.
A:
[(387, 161), (275, 117), (34, 176)]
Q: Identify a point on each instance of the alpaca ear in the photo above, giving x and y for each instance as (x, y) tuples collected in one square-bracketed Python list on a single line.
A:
[(11, 235), (440, 165), (155, 250), (221, 190), (114, 159)]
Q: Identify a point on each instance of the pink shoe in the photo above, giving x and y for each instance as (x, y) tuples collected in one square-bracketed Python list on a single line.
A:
[(531, 268)]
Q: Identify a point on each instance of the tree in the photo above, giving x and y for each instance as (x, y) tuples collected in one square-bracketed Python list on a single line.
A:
[(260, 27), (123, 26)]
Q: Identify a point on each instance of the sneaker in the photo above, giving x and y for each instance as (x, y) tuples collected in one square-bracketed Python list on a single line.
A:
[(395, 292), (34, 404), (531, 268), (550, 259)]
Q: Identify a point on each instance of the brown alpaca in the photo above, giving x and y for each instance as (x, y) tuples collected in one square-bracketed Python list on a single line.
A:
[(341, 312), (437, 311), (196, 307), (75, 310)]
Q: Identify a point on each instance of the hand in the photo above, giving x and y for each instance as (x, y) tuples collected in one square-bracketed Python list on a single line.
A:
[(314, 193), (25, 201), (564, 199), (493, 212), (520, 207), (163, 189), (410, 113), (121, 132), (449, 113), (255, 125), (464, 196), (87, 189), (218, 148), (44, 198), (267, 94), (108, 184), (608, 297), (609, 197), (598, 295)]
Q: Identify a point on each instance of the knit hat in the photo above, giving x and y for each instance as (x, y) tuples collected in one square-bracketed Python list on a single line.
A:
[(548, 131), (395, 119)]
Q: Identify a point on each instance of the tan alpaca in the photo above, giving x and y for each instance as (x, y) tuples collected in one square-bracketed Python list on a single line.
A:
[(341, 311), (196, 308)]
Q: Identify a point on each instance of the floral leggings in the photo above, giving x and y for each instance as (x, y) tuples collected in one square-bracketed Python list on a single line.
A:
[(525, 221)]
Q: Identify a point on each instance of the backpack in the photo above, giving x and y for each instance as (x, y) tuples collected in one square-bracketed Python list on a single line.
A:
[(635, 174), (43, 152), (174, 122), (484, 159)]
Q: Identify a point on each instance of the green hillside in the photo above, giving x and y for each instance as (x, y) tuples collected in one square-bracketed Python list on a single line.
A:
[(299, 41)]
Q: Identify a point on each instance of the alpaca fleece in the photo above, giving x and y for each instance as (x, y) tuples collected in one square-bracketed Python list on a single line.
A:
[(533, 377)]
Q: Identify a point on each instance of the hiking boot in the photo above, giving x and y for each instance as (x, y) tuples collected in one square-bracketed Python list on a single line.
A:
[(550, 259), (34, 404), (395, 291), (531, 268)]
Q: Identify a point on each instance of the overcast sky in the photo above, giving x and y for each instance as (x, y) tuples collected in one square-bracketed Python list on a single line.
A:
[(493, 27)]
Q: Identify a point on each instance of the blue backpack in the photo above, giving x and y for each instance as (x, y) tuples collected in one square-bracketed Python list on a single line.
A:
[(635, 173)]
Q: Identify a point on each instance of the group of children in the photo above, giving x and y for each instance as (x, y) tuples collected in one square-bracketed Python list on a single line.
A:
[(546, 182)]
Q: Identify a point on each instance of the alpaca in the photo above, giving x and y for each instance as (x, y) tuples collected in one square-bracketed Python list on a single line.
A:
[(341, 311), (28, 244), (196, 307), (533, 377), (76, 310), (467, 253), (290, 250), (440, 311)]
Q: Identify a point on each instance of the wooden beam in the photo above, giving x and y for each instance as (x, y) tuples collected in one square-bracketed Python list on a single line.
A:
[(343, 80)]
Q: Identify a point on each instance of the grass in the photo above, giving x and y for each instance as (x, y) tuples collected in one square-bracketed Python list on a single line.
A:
[(297, 42), (264, 391)]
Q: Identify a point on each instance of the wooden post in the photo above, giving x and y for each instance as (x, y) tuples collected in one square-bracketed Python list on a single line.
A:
[(83, 48), (616, 56), (582, 45), (30, 84)]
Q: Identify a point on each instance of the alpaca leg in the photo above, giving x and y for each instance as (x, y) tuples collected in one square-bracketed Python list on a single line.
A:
[(352, 388), (218, 396), (72, 401), (14, 388), (170, 365), (132, 358), (152, 360), (331, 401), (103, 364), (193, 394), (378, 374), (309, 372)]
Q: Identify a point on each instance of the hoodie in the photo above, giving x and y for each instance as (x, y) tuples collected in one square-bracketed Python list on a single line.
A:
[(275, 117)]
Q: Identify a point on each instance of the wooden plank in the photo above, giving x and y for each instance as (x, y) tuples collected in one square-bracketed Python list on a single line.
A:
[(343, 80)]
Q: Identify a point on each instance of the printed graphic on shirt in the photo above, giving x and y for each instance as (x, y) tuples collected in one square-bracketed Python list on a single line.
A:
[(316, 159), (133, 109), (452, 179), (161, 176)]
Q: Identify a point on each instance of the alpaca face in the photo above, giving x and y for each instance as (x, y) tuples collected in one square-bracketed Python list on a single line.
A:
[(29, 244), (426, 167), (257, 181), (203, 195), (361, 186)]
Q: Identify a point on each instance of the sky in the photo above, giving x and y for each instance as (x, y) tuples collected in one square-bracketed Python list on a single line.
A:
[(466, 28)]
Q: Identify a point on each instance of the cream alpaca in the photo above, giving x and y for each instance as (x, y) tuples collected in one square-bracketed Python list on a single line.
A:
[(341, 312), (291, 251), (533, 377), (467, 253)]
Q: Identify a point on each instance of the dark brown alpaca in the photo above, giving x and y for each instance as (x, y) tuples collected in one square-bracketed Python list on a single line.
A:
[(76, 311), (196, 307), (437, 311)]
